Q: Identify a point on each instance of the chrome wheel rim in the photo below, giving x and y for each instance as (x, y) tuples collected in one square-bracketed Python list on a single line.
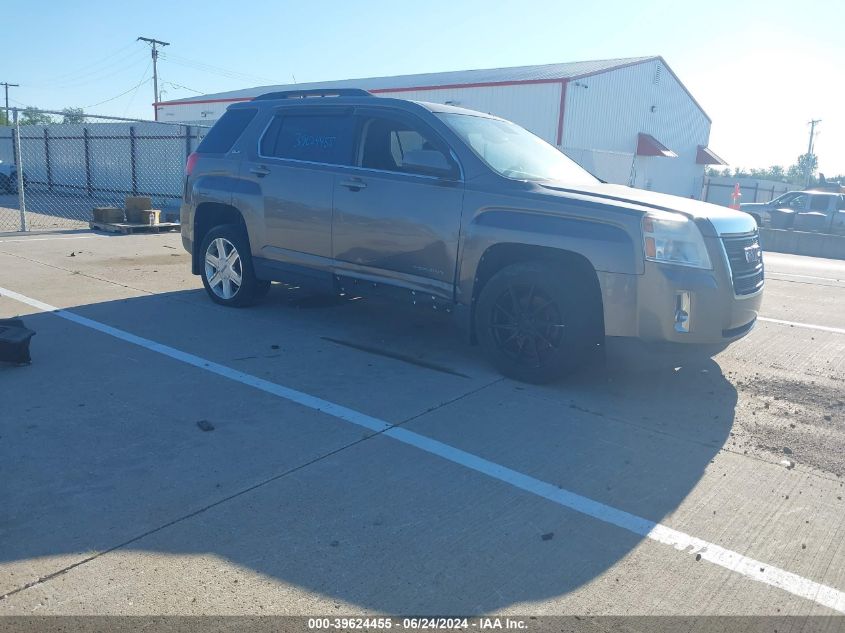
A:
[(223, 268)]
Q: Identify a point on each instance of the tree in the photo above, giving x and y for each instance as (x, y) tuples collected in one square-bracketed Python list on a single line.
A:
[(776, 172), (807, 166), (803, 171), (73, 115), (33, 116), (3, 119)]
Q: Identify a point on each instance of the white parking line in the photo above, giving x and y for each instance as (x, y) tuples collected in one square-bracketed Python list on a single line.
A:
[(797, 585), (806, 326), (775, 275), (47, 239)]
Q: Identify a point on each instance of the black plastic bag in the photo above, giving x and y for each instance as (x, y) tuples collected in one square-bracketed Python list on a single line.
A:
[(14, 342)]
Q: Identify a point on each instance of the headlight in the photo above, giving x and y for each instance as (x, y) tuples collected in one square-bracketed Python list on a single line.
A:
[(671, 238)]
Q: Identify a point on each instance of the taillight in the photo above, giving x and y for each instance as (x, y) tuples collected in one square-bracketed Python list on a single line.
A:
[(192, 161)]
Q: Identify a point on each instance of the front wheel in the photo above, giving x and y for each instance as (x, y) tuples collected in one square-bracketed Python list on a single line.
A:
[(226, 269), (533, 321)]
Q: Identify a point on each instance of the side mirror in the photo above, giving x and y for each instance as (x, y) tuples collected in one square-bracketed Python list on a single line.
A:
[(427, 161)]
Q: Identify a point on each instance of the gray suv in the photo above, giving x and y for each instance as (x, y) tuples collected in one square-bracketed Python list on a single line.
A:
[(456, 210)]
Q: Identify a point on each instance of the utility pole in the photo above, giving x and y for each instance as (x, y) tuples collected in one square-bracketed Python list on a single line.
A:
[(7, 85), (154, 44), (812, 125)]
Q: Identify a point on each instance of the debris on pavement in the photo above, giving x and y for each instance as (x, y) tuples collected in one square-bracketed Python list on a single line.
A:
[(14, 341), (205, 425)]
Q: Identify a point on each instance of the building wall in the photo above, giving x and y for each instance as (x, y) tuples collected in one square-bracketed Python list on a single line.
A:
[(193, 113), (601, 121), (605, 112), (533, 106)]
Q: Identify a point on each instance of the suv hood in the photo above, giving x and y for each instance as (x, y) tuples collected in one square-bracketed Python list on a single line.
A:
[(724, 220)]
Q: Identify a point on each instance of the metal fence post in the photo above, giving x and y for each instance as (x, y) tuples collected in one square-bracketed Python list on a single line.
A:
[(133, 165), (47, 159), (16, 134), (87, 143)]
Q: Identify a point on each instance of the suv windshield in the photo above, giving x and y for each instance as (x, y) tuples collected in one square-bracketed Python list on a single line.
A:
[(514, 152)]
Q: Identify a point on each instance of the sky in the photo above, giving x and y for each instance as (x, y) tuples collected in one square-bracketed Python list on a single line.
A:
[(761, 70)]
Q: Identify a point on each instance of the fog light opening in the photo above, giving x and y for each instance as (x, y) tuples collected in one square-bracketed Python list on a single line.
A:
[(682, 311)]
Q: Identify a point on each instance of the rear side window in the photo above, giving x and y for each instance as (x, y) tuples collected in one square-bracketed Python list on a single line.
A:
[(819, 203), (319, 139), (226, 131)]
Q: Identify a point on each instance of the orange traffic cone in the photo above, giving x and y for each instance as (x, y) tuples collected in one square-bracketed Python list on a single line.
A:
[(735, 196)]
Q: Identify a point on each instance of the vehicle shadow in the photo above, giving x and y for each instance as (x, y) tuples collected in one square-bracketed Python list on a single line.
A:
[(101, 449)]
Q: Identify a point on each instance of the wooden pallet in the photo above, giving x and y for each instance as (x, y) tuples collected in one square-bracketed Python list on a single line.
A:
[(129, 227)]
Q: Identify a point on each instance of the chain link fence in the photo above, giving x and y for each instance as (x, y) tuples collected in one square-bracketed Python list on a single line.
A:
[(55, 168)]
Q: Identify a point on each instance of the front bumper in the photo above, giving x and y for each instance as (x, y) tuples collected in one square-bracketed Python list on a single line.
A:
[(717, 314)]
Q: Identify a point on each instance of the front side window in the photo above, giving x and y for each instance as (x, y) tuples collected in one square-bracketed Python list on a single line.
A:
[(318, 139), (385, 143), (799, 202), (514, 152), (783, 200)]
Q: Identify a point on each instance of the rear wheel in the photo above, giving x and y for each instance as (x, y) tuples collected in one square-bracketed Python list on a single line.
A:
[(226, 268), (534, 322)]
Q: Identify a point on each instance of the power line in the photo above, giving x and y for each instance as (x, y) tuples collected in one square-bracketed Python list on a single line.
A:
[(109, 59), (135, 87), (135, 93), (97, 78), (175, 85), (215, 70)]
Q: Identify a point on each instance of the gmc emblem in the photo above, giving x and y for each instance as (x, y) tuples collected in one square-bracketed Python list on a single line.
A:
[(753, 254)]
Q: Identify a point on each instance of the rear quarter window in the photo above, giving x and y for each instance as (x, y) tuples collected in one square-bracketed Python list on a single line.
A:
[(226, 131)]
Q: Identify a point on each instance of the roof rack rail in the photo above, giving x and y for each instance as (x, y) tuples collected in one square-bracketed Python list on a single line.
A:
[(318, 92)]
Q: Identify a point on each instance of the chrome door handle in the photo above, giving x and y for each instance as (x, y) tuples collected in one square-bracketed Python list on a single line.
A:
[(354, 184), (259, 171)]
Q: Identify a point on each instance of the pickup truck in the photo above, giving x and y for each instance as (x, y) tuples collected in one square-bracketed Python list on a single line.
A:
[(811, 210), (450, 209)]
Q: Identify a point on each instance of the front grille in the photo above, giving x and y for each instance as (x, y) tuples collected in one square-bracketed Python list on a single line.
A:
[(747, 276)]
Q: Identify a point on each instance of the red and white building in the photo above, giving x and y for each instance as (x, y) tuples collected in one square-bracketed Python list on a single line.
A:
[(629, 121)]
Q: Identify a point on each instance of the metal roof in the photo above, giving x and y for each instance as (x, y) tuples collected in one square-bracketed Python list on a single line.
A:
[(518, 74)]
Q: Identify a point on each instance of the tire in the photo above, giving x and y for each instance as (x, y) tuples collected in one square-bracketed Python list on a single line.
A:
[(535, 322), (236, 284)]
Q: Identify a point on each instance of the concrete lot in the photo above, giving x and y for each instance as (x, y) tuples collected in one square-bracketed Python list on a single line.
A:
[(415, 479)]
